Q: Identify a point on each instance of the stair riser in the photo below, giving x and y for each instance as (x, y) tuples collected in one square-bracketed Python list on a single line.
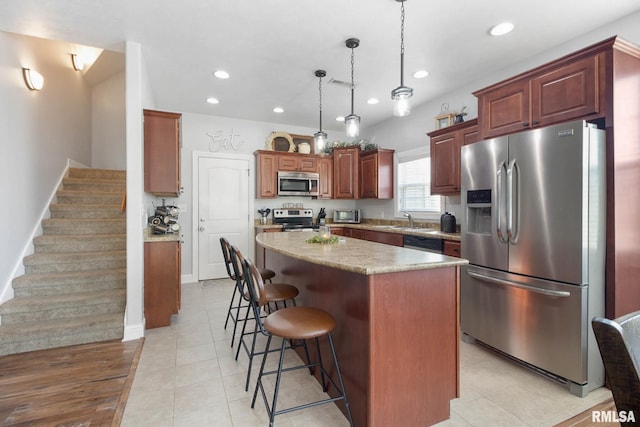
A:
[(99, 333), (115, 306), (73, 246), (80, 266), (69, 288), (89, 199), (79, 212), (89, 227)]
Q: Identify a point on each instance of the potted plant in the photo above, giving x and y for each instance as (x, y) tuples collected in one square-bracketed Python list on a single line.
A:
[(460, 116)]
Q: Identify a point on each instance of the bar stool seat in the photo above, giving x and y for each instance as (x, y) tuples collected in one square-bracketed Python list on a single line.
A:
[(277, 292), (299, 323), (267, 274)]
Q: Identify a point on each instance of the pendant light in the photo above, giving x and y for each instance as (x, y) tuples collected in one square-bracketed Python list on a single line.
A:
[(402, 93), (320, 138), (352, 121)]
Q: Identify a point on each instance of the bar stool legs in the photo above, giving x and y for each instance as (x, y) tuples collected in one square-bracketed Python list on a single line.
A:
[(272, 410)]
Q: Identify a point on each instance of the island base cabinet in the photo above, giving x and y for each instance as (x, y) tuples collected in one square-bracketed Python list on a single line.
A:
[(397, 337)]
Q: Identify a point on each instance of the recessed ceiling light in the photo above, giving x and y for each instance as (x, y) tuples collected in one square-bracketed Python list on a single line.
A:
[(340, 119), (420, 74), (372, 101), (221, 74), (212, 101), (278, 110), (501, 29)]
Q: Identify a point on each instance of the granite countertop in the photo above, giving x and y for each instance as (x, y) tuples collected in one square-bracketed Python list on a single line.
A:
[(355, 255), (168, 237), (398, 229)]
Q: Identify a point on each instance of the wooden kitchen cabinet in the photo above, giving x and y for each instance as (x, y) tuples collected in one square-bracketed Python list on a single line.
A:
[(451, 248), (346, 172), (161, 282), (395, 239), (162, 153), (358, 233), (376, 174), (297, 162), (266, 175), (325, 170), (567, 89), (445, 155), (337, 231)]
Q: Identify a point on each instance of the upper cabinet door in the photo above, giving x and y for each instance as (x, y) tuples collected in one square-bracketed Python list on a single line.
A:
[(162, 153), (566, 93), (346, 173), (504, 110)]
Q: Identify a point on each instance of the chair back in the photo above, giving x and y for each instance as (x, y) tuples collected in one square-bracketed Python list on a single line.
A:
[(224, 243), (236, 265), (619, 344), (257, 292)]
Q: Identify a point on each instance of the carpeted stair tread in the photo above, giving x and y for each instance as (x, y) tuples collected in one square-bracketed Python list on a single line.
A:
[(98, 173), (69, 261), (88, 211), (84, 225), (60, 333), (88, 197), (44, 308), (68, 282), (93, 184), (51, 243)]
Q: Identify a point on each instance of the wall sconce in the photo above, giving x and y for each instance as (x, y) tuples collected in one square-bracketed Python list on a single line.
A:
[(32, 79), (78, 64)]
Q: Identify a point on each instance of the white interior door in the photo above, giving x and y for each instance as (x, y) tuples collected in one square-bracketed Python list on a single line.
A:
[(223, 211)]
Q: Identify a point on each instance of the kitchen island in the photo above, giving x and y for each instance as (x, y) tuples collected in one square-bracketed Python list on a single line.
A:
[(397, 314)]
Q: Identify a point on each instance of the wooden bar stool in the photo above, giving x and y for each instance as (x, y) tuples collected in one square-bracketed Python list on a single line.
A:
[(294, 323), (237, 290), (275, 293)]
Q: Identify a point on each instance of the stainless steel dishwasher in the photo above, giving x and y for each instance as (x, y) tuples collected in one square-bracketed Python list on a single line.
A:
[(421, 243)]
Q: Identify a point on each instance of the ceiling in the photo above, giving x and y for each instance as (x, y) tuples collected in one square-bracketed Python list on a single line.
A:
[(271, 48)]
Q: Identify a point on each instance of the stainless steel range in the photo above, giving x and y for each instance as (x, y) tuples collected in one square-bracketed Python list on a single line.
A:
[(294, 219)]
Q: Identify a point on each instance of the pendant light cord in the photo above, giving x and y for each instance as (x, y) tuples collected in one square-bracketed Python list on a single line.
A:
[(352, 80), (320, 90), (402, 43)]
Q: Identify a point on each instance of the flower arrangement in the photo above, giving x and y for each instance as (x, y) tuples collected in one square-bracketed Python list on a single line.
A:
[(323, 240), (364, 145)]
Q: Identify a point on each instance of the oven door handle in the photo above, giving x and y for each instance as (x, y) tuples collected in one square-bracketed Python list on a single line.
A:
[(547, 292)]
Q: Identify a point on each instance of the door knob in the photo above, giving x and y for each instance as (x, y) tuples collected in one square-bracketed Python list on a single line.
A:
[(201, 228), (202, 220)]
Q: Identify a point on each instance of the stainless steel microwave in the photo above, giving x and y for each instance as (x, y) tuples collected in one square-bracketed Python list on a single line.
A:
[(346, 216), (298, 183)]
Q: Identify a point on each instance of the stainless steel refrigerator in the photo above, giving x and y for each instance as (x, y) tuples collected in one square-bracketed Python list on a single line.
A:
[(534, 234)]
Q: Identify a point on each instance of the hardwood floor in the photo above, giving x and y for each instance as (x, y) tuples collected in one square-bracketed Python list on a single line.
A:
[(83, 385)]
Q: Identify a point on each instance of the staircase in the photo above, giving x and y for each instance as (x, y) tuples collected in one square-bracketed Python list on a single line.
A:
[(74, 287)]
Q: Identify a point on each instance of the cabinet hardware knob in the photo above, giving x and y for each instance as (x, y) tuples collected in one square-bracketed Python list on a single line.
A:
[(525, 124), (535, 122)]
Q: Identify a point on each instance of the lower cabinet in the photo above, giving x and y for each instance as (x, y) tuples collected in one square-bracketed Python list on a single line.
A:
[(394, 239), (451, 248), (161, 282)]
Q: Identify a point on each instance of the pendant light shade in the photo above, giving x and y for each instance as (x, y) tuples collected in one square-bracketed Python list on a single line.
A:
[(401, 94), (352, 121), (320, 138)]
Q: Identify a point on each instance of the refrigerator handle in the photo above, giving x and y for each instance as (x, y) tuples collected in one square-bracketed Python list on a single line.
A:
[(548, 292), (513, 204), (499, 233)]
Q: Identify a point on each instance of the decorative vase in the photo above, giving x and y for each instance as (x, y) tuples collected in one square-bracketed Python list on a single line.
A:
[(459, 118)]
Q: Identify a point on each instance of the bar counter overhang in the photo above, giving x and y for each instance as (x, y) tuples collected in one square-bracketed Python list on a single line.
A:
[(397, 314)]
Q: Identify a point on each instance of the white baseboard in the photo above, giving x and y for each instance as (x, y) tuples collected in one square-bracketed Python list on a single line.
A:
[(187, 278), (133, 332)]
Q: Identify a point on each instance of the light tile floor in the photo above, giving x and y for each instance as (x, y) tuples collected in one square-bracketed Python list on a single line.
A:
[(187, 376)]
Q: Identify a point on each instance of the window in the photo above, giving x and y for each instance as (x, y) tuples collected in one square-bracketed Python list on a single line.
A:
[(413, 186)]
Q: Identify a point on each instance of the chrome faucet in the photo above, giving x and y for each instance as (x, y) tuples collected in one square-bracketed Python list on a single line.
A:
[(408, 215)]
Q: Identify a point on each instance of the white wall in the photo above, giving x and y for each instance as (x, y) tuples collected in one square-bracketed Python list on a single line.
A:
[(405, 133), (108, 136), (39, 131)]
